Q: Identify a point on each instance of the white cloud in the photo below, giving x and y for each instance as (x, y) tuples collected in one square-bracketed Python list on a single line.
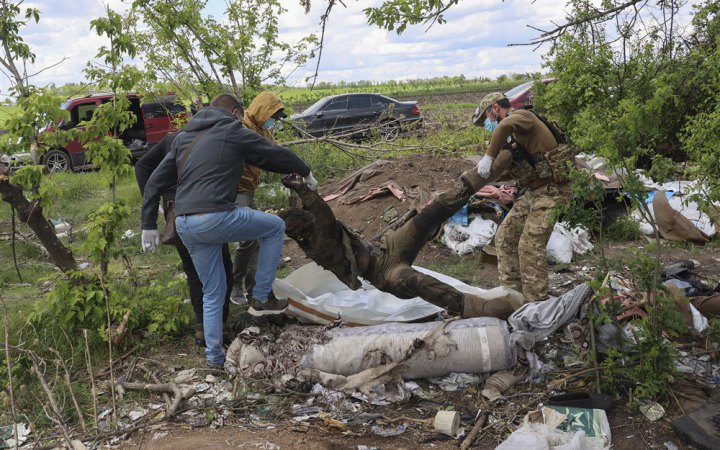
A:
[(473, 42)]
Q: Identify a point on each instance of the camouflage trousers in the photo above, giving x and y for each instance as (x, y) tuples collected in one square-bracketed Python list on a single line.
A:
[(522, 238), (390, 268)]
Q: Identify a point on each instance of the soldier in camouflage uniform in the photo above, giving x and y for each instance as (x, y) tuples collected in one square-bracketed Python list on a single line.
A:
[(337, 248), (539, 166)]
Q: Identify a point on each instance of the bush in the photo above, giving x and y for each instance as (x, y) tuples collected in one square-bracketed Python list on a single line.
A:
[(623, 230)]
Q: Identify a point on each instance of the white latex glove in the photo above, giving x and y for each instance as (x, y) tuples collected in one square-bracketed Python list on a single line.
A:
[(310, 182), (484, 166), (150, 240)]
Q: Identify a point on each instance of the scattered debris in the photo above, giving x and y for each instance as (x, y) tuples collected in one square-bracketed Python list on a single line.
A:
[(389, 432), (652, 411), (447, 422)]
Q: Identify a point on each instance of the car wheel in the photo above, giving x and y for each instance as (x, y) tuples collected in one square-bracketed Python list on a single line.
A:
[(389, 131), (57, 160)]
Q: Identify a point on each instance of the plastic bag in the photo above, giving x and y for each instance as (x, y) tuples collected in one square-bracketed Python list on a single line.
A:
[(559, 248)]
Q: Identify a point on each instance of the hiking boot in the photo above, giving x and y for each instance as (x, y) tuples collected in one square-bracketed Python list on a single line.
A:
[(268, 307), (474, 306), (238, 297)]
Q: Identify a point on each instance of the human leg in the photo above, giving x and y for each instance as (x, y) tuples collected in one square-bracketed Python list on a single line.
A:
[(203, 235), (228, 267), (405, 282), (533, 241), (244, 257), (244, 224), (410, 238), (194, 283), (507, 239), (244, 267)]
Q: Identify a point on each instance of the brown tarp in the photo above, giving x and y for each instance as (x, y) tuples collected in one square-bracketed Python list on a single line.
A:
[(672, 225), (344, 186)]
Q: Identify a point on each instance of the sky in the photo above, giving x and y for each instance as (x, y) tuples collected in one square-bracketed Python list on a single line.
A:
[(473, 42)]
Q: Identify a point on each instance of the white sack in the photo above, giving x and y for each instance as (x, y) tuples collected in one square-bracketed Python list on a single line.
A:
[(463, 240), (559, 248), (579, 237), (479, 345)]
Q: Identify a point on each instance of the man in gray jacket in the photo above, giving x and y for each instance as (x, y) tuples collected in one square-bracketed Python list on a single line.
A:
[(206, 161)]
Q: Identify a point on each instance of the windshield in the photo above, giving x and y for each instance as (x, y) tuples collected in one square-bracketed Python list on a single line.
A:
[(65, 105), (315, 107), (518, 89)]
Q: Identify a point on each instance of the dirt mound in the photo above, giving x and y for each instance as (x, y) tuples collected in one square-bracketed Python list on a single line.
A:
[(421, 174)]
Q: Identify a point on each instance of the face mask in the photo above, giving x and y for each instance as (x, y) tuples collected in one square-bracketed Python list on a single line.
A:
[(269, 123), (490, 126)]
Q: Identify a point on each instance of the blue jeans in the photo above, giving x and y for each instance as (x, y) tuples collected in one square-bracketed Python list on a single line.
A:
[(204, 236)]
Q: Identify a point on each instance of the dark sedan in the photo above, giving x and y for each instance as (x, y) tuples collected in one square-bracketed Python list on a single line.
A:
[(355, 115)]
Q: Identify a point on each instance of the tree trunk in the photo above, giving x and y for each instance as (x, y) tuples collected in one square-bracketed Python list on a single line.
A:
[(32, 215)]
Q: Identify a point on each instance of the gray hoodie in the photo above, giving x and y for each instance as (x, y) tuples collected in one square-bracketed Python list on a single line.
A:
[(208, 181)]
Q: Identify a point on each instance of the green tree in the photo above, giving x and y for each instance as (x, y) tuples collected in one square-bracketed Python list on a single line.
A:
[(202, 55), (36, 111)]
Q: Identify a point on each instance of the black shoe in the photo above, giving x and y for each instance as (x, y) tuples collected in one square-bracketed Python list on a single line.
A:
[(270, 307)]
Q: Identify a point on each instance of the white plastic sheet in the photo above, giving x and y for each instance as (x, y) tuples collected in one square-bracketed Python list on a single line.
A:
[(317, 296), (463, 240), (543, 437)]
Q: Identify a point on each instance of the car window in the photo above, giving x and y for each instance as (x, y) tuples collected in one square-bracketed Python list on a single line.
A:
[(338, 104), (82, 112), (360, 102), (315, 107), (154, 110), (379, 102)]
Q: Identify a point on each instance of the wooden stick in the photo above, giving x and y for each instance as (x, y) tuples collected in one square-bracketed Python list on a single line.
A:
[(93, 391), (556, 384), (155, 379), (479, 423), (167, 388), (593, 347), (68, 384), (51, 399), (13, 413)]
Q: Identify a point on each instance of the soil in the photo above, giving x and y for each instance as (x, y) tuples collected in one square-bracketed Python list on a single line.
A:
[(431, 173), (427, 172)]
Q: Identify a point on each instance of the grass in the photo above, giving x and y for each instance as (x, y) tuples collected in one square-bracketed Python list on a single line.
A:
[(398, 89)]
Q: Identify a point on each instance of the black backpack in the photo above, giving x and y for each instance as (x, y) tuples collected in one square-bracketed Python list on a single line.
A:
[(559, 136)]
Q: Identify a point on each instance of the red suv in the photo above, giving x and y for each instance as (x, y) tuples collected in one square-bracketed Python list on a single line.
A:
[(154, 121)]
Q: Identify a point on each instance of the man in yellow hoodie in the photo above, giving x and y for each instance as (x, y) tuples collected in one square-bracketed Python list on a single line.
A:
[(261, 116)]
